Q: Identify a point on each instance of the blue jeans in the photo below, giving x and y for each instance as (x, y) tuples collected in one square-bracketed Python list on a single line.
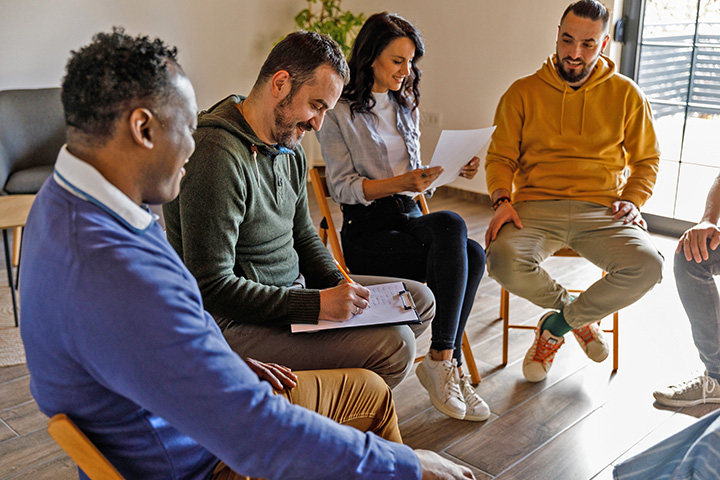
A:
[(692, 453), (432, 248), (699, 296)]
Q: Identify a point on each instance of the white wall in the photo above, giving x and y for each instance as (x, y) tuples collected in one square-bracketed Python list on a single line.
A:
[(475, 48), (221, 43)]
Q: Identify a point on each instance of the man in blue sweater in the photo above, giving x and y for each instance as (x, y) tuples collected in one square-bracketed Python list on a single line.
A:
[(113, 323)]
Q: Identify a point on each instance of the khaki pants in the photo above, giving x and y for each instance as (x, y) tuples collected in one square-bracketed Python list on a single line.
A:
[(624, 251), (388, 351), (354, 397)]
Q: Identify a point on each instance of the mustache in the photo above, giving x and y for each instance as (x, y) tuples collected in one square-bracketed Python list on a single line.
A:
[(305, 126)]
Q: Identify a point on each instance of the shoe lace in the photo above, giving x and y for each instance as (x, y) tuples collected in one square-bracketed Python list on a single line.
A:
[(470, 395), (452, 380), (545, 349), (703, 382), (586, 333)]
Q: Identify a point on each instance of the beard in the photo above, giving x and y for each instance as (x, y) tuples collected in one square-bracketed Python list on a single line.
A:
[(285, 128), (574, 77)]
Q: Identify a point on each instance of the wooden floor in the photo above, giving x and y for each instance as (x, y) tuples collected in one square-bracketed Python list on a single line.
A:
[(574, 425)]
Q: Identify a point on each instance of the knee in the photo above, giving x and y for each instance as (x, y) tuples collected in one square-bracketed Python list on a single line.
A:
[(423, 298), (476, 258), (683, 269), (398, 355), (654, 267), (447, 224), (501, 258)]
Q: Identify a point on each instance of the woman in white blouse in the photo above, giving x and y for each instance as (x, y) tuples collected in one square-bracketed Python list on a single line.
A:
[(371, 147)]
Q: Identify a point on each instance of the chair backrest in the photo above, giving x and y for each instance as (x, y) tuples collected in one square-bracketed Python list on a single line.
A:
[(81, 449), (327, 229), (32, 129)]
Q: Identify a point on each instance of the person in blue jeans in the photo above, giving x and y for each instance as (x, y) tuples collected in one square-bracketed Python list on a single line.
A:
[(697, 261), (694, 452), (370, 144)]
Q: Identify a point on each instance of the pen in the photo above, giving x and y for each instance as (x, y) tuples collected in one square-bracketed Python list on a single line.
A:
[(344, 273)]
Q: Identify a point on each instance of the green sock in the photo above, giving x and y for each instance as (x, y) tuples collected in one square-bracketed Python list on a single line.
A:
[(556, 324)]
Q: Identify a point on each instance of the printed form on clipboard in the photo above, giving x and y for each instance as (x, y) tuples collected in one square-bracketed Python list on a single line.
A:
[(390, 304)]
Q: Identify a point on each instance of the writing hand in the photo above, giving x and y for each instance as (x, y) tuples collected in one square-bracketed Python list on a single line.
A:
[(339, 303)]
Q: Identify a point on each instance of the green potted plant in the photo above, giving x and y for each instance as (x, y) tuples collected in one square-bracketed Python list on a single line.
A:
[(329, 18)]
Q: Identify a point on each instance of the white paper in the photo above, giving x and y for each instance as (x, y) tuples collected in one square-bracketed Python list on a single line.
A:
[(386, 307), (454, 150)]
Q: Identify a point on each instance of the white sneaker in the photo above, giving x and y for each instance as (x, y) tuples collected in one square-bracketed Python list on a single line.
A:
[(441, 380), (476, 410), (696, 391)]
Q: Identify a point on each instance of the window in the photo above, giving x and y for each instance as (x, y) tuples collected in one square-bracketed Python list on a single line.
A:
[(672, 50)]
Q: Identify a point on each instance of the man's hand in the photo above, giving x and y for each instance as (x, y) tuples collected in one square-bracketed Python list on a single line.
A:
[(471, 168), (623, 208), (694, 242), (420, 179), (342, 302), (435, 467), (504, 214), (280, 377)]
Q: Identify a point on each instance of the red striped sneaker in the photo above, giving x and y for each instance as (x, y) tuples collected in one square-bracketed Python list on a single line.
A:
[(591, 339), (539, 358)]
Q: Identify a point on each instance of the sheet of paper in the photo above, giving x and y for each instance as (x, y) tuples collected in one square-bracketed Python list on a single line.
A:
[(454, 149), (386, 307)]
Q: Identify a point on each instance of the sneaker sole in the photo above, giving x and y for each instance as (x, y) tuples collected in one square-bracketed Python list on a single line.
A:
[(476, 418), (437, 403), (684, 403)]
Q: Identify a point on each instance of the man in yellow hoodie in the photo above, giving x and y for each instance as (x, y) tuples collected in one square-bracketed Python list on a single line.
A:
[(572, 160)]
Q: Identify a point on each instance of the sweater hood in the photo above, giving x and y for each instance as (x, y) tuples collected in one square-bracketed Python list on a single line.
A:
[(603, 70), (226, 115)]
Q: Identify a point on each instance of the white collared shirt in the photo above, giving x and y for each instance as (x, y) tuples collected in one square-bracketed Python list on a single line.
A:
[(84, 181)]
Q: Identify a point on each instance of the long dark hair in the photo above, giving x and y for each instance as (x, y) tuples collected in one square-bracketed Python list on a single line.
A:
[(374, 36)]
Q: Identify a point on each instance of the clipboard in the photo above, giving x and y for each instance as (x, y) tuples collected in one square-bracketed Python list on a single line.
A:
[(390, 304)]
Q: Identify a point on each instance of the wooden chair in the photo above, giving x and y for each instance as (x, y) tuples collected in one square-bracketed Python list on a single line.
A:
[(81, 449), (505, 316), (328, 233)]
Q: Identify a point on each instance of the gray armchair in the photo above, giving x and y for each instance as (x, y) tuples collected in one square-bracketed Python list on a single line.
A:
[(32, 131)]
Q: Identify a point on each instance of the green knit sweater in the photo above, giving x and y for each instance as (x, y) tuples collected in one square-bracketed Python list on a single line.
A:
[(243, 227)]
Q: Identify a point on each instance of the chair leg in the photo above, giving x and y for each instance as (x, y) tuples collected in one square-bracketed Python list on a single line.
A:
[(17, 239), (616, 341), (11, 283), (505, 316), (470, 360)]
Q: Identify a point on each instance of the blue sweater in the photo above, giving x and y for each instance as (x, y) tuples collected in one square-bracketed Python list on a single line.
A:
[(116, 337)]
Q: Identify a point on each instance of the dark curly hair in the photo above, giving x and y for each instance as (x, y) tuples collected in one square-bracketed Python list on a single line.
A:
[(374, 36), (113, 74), (300, 54)]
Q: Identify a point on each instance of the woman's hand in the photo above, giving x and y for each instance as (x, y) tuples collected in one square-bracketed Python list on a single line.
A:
[(420, 179), (471, 168)]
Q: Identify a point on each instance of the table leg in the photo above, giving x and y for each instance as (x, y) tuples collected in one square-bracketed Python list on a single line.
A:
[(8, 265)]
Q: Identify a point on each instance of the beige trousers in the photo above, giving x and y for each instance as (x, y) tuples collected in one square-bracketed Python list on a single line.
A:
[(353, 396)]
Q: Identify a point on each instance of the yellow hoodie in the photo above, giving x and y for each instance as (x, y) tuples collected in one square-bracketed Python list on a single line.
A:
[(554, 142)]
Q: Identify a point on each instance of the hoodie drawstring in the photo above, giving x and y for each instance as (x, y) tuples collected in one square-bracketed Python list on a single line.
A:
[(582, 118), (562, 109), (254, 150), (582, 114)]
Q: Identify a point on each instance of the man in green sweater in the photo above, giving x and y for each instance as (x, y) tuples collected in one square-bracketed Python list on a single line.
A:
[(242, 226)]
